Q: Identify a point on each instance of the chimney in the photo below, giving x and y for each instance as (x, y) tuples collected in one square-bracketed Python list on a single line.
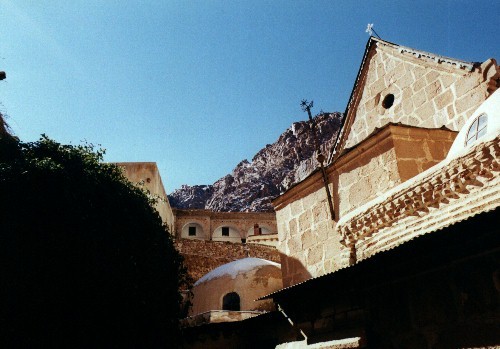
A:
[(256, 229)]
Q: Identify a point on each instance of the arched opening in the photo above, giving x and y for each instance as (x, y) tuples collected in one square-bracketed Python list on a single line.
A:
[(477, 129), (193, 231), (231, 301), (226, 233)]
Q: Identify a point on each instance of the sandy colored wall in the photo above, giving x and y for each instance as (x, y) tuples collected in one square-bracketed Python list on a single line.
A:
[(427, 94), (146, 175), (308, 240), (202, 256), (249, 286), (387, 159), (308, 243), (240, 223)]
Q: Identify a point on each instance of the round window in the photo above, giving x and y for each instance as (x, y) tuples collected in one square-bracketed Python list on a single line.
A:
[(388, 101)]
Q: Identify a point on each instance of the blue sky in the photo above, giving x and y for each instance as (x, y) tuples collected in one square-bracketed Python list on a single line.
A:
[(198, 86)]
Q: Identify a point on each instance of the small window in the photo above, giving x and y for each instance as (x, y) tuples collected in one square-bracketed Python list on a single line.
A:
[(477, 129), (192, 231), (231, 301), (388, 101), (225, 231)]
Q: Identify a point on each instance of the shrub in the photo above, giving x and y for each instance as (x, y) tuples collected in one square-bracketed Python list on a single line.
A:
[(85, 260)]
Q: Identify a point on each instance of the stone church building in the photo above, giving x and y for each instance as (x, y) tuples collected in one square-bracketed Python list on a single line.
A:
[(410, 258)]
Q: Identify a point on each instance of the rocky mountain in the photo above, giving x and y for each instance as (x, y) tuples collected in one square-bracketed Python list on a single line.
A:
[(275, 168)]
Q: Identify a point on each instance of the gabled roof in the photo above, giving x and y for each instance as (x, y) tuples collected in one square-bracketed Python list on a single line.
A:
[(370, 45)]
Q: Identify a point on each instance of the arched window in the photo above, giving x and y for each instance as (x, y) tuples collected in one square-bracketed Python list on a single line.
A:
[(231, 301), (477, 129)]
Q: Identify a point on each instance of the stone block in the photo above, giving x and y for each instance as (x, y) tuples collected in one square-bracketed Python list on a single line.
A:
[(294, 229), (309, 201), (408, 106), (431, 76), (321, 231), (396, 110), (348, 178), (331, 249), (406, 149), (465, 84), (447, 80), (425, 111), (390, 63), (417, 70), (372, 76), (315, 254), (380, 70), (405, 80), (395, 74), (372, 120), (296, 208), (320, 212), (408, 169), (294, 245), (305, 221), (419, 84), (283, 233), (419, 98), (470, 100), (451, 112), (377, 86), (444, 99), (438, 150), (307, 239), (360, 192), (414, 120), (433, 89), (328, 266)]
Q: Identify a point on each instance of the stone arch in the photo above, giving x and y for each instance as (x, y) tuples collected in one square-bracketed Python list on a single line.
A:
[(234, 234), (187, 230), (231, 301)]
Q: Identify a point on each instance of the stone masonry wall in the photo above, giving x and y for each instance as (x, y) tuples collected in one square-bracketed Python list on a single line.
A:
[(366, 176), (308, 242), (389, 158), (147, 176), (419, 149), (210, 221), (426, 93), (202, 256)]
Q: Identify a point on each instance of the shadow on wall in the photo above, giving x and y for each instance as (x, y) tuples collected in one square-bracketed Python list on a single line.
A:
[(293, 271)]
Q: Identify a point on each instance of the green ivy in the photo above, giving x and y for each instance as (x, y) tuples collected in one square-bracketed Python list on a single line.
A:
[(85, 261)]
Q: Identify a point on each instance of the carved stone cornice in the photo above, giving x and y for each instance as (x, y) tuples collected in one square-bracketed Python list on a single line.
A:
[(449, 192)]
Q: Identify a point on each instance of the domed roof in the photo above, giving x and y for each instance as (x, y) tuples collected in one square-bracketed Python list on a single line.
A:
[(245, 279), (491, 108), (233, 269)]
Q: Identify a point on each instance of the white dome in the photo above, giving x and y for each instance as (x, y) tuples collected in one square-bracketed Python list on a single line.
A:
[(235, 268), (242, 281), (490, 107)]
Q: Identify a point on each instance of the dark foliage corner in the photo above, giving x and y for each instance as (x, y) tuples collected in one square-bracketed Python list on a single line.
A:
[(85, 261)]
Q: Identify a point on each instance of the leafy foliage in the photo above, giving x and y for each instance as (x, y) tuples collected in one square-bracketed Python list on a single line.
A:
[(84, 259)]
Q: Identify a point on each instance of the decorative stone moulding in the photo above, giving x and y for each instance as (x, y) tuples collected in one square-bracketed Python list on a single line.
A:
[(445, 194), (438, 59)]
